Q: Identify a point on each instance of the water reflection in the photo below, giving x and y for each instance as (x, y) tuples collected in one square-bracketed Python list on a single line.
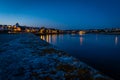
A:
[(81, 40), (96, 37), (116, 40), (104, 51), (42, 37), (49, 38), (81, 33), (53, 37)]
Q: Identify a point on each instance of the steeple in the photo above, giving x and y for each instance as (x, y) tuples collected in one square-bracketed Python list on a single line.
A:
[(17, 24)]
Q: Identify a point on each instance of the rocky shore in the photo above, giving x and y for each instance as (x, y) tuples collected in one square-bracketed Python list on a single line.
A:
[(26, 57)]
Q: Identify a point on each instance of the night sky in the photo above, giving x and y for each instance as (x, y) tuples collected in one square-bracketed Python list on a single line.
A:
[(62, 14)]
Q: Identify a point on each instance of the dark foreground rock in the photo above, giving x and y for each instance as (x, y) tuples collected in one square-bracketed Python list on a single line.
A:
[(29, 58)]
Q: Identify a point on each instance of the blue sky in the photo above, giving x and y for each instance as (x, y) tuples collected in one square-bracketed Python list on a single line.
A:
[(63, 14)]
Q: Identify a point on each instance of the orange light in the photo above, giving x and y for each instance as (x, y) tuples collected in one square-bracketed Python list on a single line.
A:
[(81, 32), (27, 30)]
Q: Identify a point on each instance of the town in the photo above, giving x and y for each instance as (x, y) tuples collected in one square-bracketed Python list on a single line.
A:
[(43, 30)]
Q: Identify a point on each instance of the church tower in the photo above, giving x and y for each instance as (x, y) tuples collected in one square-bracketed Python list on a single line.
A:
[(17, 24)]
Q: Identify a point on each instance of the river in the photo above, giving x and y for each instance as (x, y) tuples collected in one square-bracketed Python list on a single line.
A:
[(97, 50)]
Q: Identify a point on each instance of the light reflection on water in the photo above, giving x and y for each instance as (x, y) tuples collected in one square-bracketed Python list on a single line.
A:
[(53, 38), (49, 38), (97, 50), (81, 40), (116, 40)]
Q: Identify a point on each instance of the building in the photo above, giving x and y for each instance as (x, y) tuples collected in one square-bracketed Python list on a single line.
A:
[(17, 25), (82, 32)]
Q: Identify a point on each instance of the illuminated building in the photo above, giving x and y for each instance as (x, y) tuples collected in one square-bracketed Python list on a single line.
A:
[(81, 32)]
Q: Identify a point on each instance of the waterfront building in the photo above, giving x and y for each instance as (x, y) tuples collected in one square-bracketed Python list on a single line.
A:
[(82, 32), (42, 30)]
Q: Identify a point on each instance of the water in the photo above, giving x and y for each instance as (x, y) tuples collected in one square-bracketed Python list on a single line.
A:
[(5, 38), (97, 50)]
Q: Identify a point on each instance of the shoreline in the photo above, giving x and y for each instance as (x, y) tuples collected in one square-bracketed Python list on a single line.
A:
[(29, 57)]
